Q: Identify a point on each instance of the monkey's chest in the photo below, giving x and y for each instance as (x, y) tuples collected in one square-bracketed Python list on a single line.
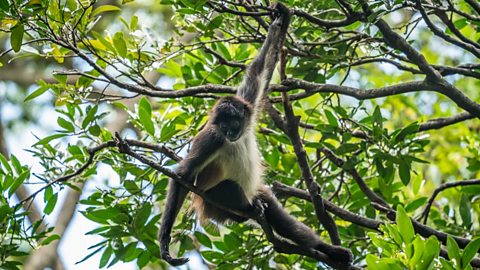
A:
[(241, 162)]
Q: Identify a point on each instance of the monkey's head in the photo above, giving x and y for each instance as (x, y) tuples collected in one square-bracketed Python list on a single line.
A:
[(231, 116)]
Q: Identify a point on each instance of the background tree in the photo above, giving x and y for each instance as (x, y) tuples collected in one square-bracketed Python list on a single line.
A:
[(358, 126)]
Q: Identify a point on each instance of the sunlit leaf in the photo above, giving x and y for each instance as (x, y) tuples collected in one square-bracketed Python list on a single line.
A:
[(16, 38), (104, 8)]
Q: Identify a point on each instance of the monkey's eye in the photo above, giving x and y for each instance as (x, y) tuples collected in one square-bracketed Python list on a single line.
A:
[(235, 124), (223, 126)]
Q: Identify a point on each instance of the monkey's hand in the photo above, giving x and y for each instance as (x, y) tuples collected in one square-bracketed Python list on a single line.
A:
[(259, 206), (281, 15)]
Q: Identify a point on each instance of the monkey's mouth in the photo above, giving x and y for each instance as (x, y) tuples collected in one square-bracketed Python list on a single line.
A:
[(233, 136)]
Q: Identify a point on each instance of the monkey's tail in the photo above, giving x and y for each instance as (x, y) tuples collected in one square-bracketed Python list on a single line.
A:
[(287, 226)]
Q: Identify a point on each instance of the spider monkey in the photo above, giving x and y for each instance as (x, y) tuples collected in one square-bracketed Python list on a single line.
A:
[(225, 161)]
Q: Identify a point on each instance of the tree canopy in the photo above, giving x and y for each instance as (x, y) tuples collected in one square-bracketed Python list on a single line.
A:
[(371, 121)]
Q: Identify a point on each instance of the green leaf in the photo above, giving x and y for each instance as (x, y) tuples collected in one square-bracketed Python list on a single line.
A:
[(104, 8), (51, 204), (372, 262), (42, 89), (415, 204), (332, 120), (95, 130), (131, 186), (105, 257), (61, 78), (4, 5), (142, 215), (446, 264), (404, 172), (143, 259), (461, 23), (5, 210), (145, 104), (430, 252), (16, 164), (212, 256), (215, 23), (453, 250), (16, 37), (203, 239), (19, 181), (465, 213), (417, 250), (469, 252), (133, 22), (412, 128), (7, 181), (146, 121), (377, 117), (172, 69), (67, 125), (90, 116), (47, 139), (120, 44), (404, 225), (50, 239), (5, 163), (90, 255), (231, 241), (108, 45), (187, 11)]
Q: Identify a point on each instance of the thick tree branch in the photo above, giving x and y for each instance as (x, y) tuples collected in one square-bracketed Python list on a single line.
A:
[(442, 87), (353, 17), (291, 128), (442, 122)]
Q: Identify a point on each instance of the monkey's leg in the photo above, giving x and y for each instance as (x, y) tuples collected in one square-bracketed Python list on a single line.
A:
[(287, 226), (229, 194), (176, 196)]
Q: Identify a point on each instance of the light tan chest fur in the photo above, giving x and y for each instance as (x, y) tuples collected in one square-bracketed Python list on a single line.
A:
[(239, 161)]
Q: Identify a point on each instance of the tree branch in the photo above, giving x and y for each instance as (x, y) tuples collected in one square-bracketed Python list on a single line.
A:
[(441, 188), (291, 126), (442, 87), (425, 231), (356, 176)]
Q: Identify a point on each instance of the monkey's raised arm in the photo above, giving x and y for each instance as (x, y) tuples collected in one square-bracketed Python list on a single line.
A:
[(260, 71), (204, 145)]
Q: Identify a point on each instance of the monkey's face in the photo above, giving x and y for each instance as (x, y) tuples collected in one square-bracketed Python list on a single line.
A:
[(232, 128), (231, 116)]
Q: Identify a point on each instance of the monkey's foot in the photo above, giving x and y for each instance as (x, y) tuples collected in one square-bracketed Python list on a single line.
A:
[(338, 253), (174, 261)]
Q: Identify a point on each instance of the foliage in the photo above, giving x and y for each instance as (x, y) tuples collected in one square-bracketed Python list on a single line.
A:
[(336, 50)]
